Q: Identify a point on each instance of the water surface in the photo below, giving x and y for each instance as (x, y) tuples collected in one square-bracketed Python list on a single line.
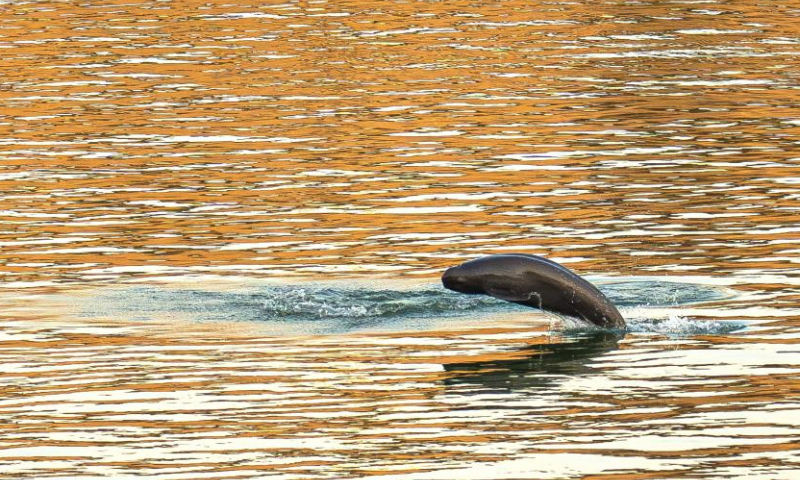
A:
[(222, 226)]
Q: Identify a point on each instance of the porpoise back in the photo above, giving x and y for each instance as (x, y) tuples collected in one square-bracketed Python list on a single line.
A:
[(536, 282)]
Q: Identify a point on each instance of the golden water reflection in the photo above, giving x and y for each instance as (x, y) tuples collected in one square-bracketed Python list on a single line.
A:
[(301, 138), (183, 142)]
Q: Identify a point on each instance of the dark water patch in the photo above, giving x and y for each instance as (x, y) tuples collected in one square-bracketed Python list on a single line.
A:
[(540, 365)]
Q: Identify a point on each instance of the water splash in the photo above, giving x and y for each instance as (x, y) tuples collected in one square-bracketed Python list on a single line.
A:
[(309, 302), (679, 326), (674, 325)]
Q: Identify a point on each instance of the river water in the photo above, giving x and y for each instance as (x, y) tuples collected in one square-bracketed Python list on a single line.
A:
[(222, 226)]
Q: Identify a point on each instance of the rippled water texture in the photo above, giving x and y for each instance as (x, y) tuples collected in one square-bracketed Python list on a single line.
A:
[(222, 223)]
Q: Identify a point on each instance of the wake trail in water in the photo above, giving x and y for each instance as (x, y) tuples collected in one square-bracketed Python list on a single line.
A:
[(329, 309)]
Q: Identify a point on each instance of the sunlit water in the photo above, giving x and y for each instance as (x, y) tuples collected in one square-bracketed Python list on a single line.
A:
[(223, 224)]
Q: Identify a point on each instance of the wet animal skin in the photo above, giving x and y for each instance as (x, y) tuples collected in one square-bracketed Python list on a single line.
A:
[(536, 282)]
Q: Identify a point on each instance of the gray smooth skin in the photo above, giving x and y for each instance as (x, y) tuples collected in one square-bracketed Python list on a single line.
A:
[(535, 282)]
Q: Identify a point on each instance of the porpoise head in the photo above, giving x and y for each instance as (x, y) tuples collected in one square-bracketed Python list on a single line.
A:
[(461, 280), (495, 276)]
